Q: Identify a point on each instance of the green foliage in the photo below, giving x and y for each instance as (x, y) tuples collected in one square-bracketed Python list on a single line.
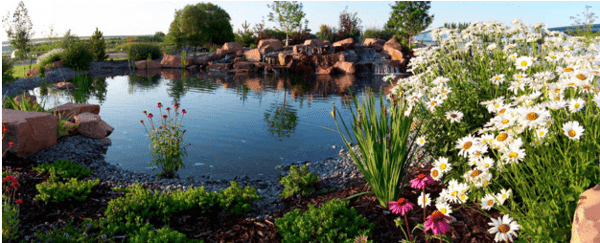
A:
[(59, 191), (196, 24), (98, 46), (349, 25), (77, 56), (141, 51), (67, 40), (236, 200), (7, 71), (587, 22), (42, 71), (10, 219), (70, 234), (63, 170), (245, 37), (410, 18), (24, 105), (376, 33), (147, 234), (301, 182), (288, 15), (325, 33), (459, 26), (19, 30), (332, 222)]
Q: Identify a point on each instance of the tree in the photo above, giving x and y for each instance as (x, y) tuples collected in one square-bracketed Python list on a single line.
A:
[(244, 36), (583, 27), (158, 36), (349, 24), (200, 23), (19, 31), (97, 46), (289, 15), (410, 18)]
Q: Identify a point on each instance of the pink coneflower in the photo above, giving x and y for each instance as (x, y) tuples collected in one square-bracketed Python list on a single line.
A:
[(437, 223), (164, 116), (421, 181), (183, 111), (150, 115), (176, 106), (159, 105), (168, 108), (401, 206)]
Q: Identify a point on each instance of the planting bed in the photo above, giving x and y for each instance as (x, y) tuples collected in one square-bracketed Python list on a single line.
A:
[(470, 226)]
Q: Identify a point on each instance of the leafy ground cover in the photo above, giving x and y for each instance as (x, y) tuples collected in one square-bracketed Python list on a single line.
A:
[(35, 216)]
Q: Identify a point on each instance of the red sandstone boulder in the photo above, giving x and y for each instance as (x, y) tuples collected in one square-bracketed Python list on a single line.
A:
[(586, 221), (73, 109), (65, 85), (253, 55), (238, 59), (26, 98), (203, 60), (325, 70), (269, 45), (394, 50), (240, 53), (348, 42), (29, 131), (284, 59), (296, 49), (345, 67), (244, 66), (314, 42), (174, 61), (92, 126), (232, 47), (219, 67), (370, 41), (376, 46), (143, 64)]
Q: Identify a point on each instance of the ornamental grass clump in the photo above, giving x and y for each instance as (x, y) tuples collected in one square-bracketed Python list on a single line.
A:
[(333, 221), (167, 145), (298, 181), (515, 114)]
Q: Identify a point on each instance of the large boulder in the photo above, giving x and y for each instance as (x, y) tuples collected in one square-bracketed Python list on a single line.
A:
[(29, 131), (284, 59), (221, 53), (325, 70), (269, 45), (174, 61), (586, 221), (371, 41), (314, 42), (26, 98), (143, 64), (253, 55), (203, 60), (64, 86), (72, 109), (244, 66), (92, 126), (345, 67), (347, 43), (238, 59), (348, 56), (232, 47), (394, 49)]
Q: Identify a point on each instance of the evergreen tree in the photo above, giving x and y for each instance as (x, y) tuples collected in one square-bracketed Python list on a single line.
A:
[(98, 46)]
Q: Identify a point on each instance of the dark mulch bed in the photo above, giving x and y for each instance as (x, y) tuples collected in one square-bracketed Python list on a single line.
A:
[(470, 227)]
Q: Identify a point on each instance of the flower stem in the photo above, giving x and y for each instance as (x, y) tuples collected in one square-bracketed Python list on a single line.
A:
[(424, 213), (408, 229)]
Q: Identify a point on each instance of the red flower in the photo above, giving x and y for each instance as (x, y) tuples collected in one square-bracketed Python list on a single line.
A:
[(11, 143), (183, 111), (168, 108), (159, 105), (149, 115), (4, 128), (164, 116), (19, 201), (176, 106)]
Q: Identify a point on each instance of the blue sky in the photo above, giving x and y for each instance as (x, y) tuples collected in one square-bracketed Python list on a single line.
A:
[(128, 17)]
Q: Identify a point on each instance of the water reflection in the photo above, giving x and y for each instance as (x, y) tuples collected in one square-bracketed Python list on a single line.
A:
[(281, 119)]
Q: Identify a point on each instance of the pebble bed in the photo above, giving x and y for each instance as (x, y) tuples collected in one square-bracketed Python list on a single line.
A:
[(332, 172)]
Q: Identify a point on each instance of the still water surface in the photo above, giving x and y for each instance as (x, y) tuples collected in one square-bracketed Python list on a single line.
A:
[(236, 125)]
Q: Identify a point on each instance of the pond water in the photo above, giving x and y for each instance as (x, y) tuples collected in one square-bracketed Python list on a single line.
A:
[(233, 124)]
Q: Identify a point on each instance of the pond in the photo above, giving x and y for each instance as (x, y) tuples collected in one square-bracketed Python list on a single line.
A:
[(236, 125)]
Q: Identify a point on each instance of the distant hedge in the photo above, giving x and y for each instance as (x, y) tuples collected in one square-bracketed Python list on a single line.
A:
[(140, 51)]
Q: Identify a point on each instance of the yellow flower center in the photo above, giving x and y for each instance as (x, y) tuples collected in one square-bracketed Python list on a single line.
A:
[(502, 137), (443, 210), (581, 76), (571, 84), (556, 98), (572, 133), (557, 91), (434, 173), (475, 173), (433, 103), (485, 183), (490, 202), (467, 145), (422, 141), (497, 105), (504, 196), (532, 116), (513, 155), (553, 57), (462, 197), (542, 133), (577, 105), (523, 63), (504, 228), (569, 69), (443, 166), (519, 76), (505, 121), (502, 111)]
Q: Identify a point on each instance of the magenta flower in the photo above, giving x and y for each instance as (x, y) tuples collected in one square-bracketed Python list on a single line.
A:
[(168, 108), (159, 105), (150, 115), (437, 223), (176, 106), (164, 116), (401, 206), (421, 181), (183, 111)]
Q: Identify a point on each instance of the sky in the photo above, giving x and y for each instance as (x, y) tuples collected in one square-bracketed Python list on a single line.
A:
[(129, 17)]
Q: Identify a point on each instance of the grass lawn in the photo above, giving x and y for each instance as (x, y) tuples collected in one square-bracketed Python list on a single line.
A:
[(18, 70)]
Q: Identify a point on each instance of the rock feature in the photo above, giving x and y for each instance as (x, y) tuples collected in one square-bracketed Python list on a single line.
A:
[(244, 66), (92, 126), (269, 45), (29, 131), (218, 67), (143, 64), (314, 42), (64, 86), (586, 221), (347, 43), (174, 61), (232, 48), (72, 109), (345, 67), (30, 99), (253, 55)]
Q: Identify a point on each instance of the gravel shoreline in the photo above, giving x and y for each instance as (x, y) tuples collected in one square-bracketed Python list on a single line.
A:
[(332, 172)]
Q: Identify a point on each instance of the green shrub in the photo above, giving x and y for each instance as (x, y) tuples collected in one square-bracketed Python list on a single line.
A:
[(71, 234), (376, 33), (7, 70), (234, 199), (49, 57), (147, 234), (42, 71), (298, 182), (332, 222), (77, 56), (10, 219), (98, 46), (60, 191), (63, 169), (140, 51)]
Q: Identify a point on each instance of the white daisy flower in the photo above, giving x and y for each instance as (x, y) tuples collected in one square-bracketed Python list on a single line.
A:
[(523, 63), (454, 116), (436, 173), (488, 202), (504, 228), (576, 105), (485, 163), (573, 130), (597, 100), (424, 200), (444, 208), (421, 141), (503, 195), (498, 79), (443, 164), (513, 153), (541, 132), (466, 146)]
